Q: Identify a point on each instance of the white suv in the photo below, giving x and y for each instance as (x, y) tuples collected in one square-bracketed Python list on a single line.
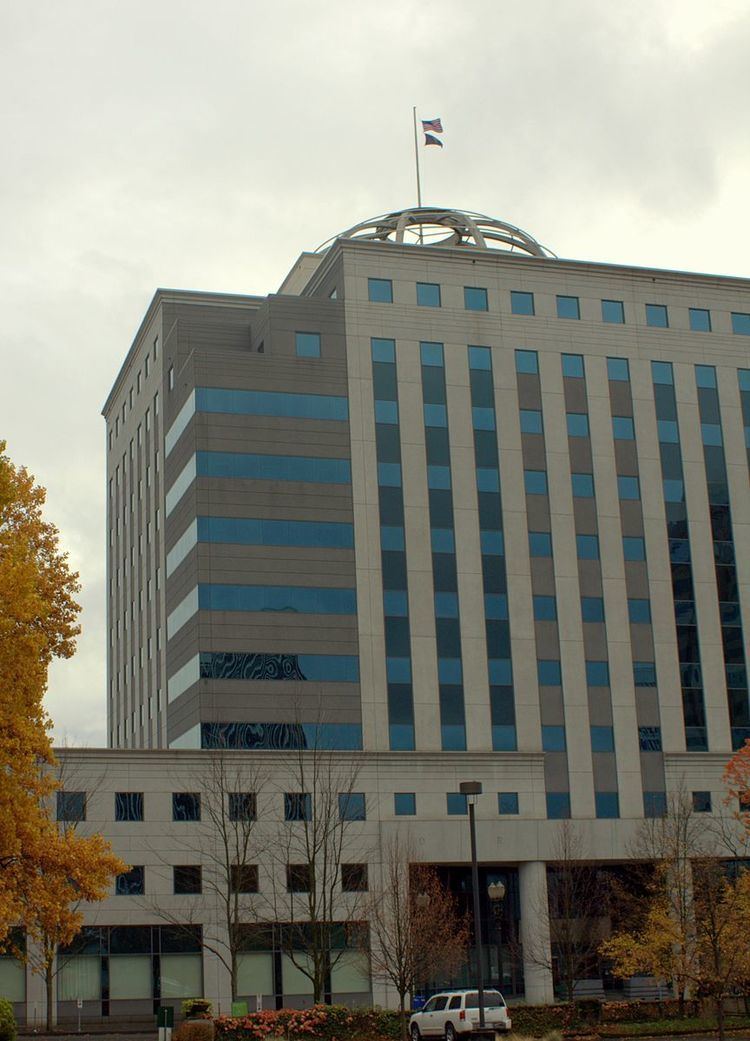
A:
[(456, 1012)]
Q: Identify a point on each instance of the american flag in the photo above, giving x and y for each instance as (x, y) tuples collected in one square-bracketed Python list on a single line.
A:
[(430, 139), (432, 124)]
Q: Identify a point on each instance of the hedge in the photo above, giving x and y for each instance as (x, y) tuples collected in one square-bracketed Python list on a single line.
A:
[(327, 1022)]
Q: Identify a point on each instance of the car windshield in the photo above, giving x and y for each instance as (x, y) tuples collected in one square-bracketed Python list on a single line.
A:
[(492, 999)]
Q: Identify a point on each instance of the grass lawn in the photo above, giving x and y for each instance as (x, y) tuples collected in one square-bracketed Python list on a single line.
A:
[(665, 1027)]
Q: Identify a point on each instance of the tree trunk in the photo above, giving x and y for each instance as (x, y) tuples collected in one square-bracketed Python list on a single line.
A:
[(49, 981), (233, 974), (720, 1016), (402, 1011)]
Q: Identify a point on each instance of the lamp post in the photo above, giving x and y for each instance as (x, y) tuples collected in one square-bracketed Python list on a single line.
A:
[(473, 789), (496, 892)]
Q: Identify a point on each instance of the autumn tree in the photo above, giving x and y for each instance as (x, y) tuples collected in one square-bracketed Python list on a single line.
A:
[(38, 615), (737, 780), (416, 931)]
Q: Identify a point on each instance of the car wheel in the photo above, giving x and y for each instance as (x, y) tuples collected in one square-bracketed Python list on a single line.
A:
[(415, 1035), (450, 1032)]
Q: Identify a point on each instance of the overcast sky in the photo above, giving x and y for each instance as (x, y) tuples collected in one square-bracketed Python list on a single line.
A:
[(204, 145)]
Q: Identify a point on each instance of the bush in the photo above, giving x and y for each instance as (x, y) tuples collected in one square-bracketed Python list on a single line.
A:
[(326, 1022), (197, 1007), (195, 1030), (538, 1020), (645, 1011), (7, 1021)]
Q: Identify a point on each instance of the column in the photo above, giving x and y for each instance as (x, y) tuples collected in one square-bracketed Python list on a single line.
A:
[(535, 938)]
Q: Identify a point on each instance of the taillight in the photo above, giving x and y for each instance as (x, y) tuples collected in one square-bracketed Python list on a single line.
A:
[(462, 1015)]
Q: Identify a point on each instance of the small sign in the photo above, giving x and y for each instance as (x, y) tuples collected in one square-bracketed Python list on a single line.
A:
[(165, 1016), (258, 1002), (79, 1003)]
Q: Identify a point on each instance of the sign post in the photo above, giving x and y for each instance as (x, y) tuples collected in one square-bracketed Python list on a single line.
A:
[(165, 1022)]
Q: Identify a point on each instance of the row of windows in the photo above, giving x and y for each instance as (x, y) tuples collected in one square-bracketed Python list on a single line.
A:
[(592, 609), (128, 400), (187, 879), (428, 294), (549, 673)]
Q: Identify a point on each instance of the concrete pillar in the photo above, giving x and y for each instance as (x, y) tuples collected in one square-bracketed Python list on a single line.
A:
[(535, 939)]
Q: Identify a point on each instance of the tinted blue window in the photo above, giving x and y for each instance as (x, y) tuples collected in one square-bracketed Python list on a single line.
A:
[(438, 477), (618, 369), (587, 547), (186, 806), (578, 424), (504, 738), (613, 312), (743, 377), (271, 403), (674, 491), (607, 804), (540, 544), (654, 804), (668, 431), (492, 543), (548, 672), (449, 670), (633, 547), (521, 303), (602, 739), (435, 415), (592, 609), (661, 372), (705, 376), (249, 532), (428, 294), (380, 290), (405, 804), (259, 665), (383, 350), (386, 411), (553, 739), (480, 358), (567, 307), (496, 606), (456, 804), (649, 739), (597, 673), (128, 806), (622, 428), (442, 540), (299, 599), (527, 361), (700, 319), (535, 482), (273, 467), (307, 345), (297, 806), (392, 537), (488, 479), (711, 434), (431, 353), (639, 610), (583, 485), (628, 487), (507, 802), (500, 672), (398, 670), (352, 806), (740, 323), (395, 603), (475, 299), (572, 366), (701, 802), (656, 315), (558, 805), (483, 418), (389, 475), (644, 673), (545, 609), (446, 605), (531, 421)]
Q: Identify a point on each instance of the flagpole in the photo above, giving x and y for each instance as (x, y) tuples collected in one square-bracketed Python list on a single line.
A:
[(416, 159)]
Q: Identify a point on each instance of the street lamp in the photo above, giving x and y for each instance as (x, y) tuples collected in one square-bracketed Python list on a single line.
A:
[(496, 892), (473, 789)]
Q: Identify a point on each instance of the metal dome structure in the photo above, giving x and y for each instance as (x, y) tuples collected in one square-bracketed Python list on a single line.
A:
[(452, 229)]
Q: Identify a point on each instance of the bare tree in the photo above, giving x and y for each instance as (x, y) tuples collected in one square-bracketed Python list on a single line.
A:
[(317, 921), (416, 930)]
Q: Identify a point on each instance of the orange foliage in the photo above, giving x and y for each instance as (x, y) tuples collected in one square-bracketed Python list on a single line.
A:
[(737, 780)]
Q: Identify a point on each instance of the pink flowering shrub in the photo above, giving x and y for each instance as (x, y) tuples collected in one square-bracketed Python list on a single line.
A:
[(325, 1022)]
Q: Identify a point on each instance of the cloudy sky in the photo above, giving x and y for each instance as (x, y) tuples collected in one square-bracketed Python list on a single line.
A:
[(200, 145)]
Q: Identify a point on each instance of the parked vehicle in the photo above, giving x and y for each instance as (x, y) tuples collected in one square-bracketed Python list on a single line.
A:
[(456, 1012)]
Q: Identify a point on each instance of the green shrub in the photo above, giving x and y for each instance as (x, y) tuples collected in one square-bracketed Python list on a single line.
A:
[(197, 1007), (7, 1021)]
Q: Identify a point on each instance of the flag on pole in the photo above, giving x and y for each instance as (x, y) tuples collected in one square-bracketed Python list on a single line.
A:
[(430, 139), (433, 125)]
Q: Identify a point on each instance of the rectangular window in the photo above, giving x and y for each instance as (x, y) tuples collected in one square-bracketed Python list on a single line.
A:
[(298, 878), (475, 299), (354, 878), (644, 673), (628, 487), (186, 806), (428, 294), (535, 482), (297, 806), (740, 323), (307, 345), (431, 353), (540, 544), (545, 608), (639, 611), (383, 350), (568, 307), (583, 485), (602, 739), (128, 806), (531, 421), (622, 428), (649, 739), (521, 303), (352, 806), (380, 290), (456, 804), (528, 362), (657, 316), (187, 878), (548, 672), (592, 609), (71, 806), (618, 369), (244, 878), (405, 804), (633, 547), (700, 319), (587, 547), (553, 738), (613, 312), (572, 366), (701, 802), (558, 805), (507, 802), (654, 804), (597, 673), (607, 805), (131, 883), (578, 424)]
